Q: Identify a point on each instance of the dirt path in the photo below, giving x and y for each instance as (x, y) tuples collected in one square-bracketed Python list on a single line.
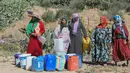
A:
[(9, 67)]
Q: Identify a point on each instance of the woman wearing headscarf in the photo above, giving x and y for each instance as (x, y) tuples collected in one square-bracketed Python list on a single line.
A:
[(34, 31), (77, 31), (63, 32), (101, 37), (120, 40)]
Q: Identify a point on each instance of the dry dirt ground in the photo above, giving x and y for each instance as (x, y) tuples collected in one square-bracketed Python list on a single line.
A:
[(7, 66)]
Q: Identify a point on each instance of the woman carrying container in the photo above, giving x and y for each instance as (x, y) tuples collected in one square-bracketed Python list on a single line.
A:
[(63, 32), (77, 32)]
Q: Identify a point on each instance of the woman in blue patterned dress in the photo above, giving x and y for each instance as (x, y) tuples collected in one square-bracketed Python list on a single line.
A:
[(101, 38)]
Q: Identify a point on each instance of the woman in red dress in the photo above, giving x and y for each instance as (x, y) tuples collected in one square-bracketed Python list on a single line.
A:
[(34, 30), (120, 35)]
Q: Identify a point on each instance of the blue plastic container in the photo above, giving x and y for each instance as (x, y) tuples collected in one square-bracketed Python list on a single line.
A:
[(50, 62), (80, 60), (38, 64), (17, 60)]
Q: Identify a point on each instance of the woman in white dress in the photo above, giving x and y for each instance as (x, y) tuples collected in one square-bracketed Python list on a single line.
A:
[(63, 32)]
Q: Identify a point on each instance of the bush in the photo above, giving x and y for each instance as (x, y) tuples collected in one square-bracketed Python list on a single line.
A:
[(64, 13), (93, 3), (34, 2), (11, 11), (61, 2), (77, 4), (105, 5), (49, 16), (128, 9), (45, 3)]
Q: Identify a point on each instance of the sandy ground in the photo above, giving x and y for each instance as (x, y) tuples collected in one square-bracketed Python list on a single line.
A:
[(7, 66)]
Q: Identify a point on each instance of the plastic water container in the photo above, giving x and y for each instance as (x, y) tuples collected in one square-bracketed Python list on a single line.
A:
[(50, 62), (17, 60), (73, 54), (38, 64), (80, 60), (23, 60), (42, 39), (72, 63), (29, 62), (67, 56), (58, 45), (60, 62)]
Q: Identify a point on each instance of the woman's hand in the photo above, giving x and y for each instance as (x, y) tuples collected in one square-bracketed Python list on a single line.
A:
[(125, 42), (86, 38), (34, 34), (38, 34)]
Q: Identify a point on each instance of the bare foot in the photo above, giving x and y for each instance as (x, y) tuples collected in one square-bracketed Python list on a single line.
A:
[(105, 65)]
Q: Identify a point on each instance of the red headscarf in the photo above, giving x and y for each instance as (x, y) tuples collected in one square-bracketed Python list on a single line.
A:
[(104, 22)]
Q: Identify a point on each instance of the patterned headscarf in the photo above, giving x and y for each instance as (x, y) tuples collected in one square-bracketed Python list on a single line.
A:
[(119, 23), (118, 19)]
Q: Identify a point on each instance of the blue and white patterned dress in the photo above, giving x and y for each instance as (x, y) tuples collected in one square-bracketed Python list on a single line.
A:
[(100, 48)]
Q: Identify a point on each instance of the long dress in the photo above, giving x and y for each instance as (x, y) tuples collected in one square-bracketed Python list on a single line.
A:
[(120, 51), (76, 39), (100, 49), (64, 34), (35, 46)]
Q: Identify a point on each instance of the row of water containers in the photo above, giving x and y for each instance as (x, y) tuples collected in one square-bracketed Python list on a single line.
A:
[(49, 62)]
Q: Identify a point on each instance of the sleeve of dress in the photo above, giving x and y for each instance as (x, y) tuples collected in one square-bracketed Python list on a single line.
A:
[(83, 30), (42, 27), (126, 32), (113, 27), (56, 31)]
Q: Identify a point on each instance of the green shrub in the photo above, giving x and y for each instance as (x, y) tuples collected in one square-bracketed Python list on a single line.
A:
[(128, 9), (77, 4), (11, 11), (64, 13), (34, 2), (105, 5), (49, 16), (60, 2), (93, 3), (49, 34), (45, 3)]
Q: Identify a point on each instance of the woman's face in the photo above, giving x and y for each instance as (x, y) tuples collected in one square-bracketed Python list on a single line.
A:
[(75, 19), (101, 21), (63, 21)]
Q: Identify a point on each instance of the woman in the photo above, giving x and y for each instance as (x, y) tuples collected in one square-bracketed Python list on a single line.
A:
[(101, 39), (62, 31), (34, 30), (77, 31), (120, 42)]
